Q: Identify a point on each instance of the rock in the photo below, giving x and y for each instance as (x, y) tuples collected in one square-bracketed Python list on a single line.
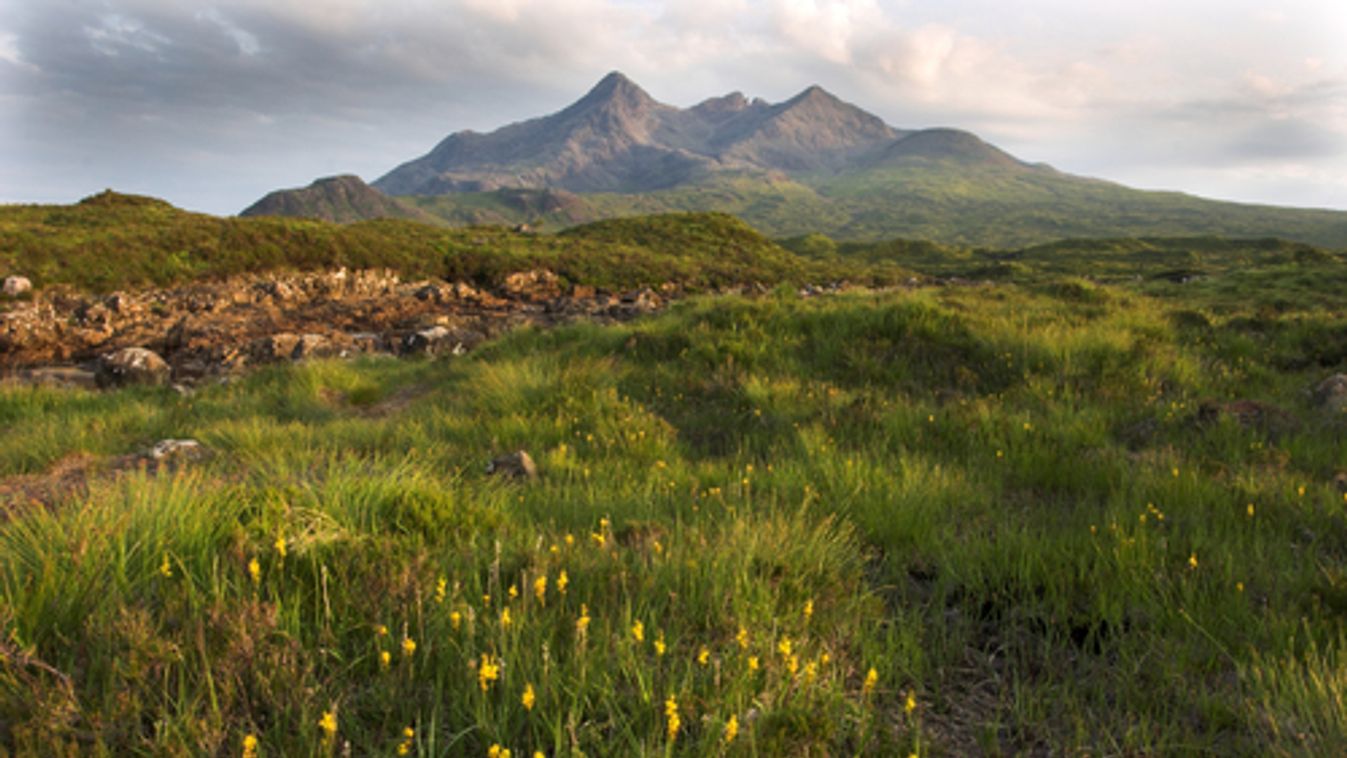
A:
[(1331, 394), (439, 340), (538, 285), (516, 465), (1340, 481), (176, 449), (132, 365), (17, 285)]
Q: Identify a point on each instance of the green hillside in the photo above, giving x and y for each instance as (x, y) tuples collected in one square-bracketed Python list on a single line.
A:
[(112, 241), (952, 202)]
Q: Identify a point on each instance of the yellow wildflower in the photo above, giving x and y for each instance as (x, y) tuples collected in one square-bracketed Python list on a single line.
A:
[(562, 582), (249, 746), (742, 637), (752, 663), (441, 590), (328, 723), (488, 671), (808, 609), (811, 671), (165, 568), (582, 623), (496, 751), (505, 619), (381, 630), (1239, 586), (1192, 561), (910, 702), (793, 664), (514, 592), (731, 729), (570, 540), (784, 647), (408, 647), (1250, 510), (703, 655), (871, 680), (671, 713), (255, 571), (660, 647), (540, 588), (385, 658), (598, 538), (638, 631), (486, 600), (528, 698), (280, 545), (455, 620)]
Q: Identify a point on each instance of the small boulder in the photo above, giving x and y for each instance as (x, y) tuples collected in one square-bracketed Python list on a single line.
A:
[(516, 465), (538, 285), (132, 365), (17, 285), (176, 450), (1331, 394), (439, 340)]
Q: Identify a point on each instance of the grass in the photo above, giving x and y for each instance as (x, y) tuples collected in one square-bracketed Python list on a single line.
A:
[(1003, 499)]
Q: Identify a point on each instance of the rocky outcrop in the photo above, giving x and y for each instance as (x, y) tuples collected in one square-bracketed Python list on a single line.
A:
[(210, 328), (1331, 394)]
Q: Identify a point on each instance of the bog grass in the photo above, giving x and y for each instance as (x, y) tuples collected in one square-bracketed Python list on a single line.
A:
[(945, 521)]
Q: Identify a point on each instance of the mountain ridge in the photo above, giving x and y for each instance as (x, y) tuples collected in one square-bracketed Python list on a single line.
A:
[(811, 163)]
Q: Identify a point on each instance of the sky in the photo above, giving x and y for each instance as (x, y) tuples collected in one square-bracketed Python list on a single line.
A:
[(211, 105)]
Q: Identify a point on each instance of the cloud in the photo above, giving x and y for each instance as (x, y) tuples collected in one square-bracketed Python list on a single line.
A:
[(212, 99)]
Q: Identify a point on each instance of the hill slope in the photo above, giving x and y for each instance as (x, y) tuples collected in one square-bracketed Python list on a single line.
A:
[(336, 198)]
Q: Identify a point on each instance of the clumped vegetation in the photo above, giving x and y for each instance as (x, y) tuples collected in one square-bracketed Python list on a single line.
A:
[(112, 241), (1005, 500)]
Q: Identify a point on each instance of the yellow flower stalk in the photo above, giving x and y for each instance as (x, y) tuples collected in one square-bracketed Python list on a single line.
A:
[(793, 664), (808, 609), (455, 620), (441, 590), (910, 702), (671, 713), (165, 568), (505, 619), (871, 680), (381, 630), (563, 581), (638, 631), (488, 671), (514, 591), (408, 647), (742, 637), (328, 723), (582, 623), (528, 698), (731, 729), (1192, 561), (255, 571), (753, 663), (703, 655), (280, 545), (660, 647), (540, 588), (249, 746), (784, 647)]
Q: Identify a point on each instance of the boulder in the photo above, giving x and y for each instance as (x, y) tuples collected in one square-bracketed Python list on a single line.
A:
[(439, 340), (516, 465), (538, 285), (1331, 394), (17, 285), (175, 449), (132, 365)]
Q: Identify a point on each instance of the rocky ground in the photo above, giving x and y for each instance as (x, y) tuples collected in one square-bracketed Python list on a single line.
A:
[(211, 329)]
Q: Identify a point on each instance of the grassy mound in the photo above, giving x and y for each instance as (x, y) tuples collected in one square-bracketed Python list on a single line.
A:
[(112, 241)]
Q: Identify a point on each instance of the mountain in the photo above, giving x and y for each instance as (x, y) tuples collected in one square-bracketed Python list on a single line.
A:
[(811, 164), (336, 198)]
